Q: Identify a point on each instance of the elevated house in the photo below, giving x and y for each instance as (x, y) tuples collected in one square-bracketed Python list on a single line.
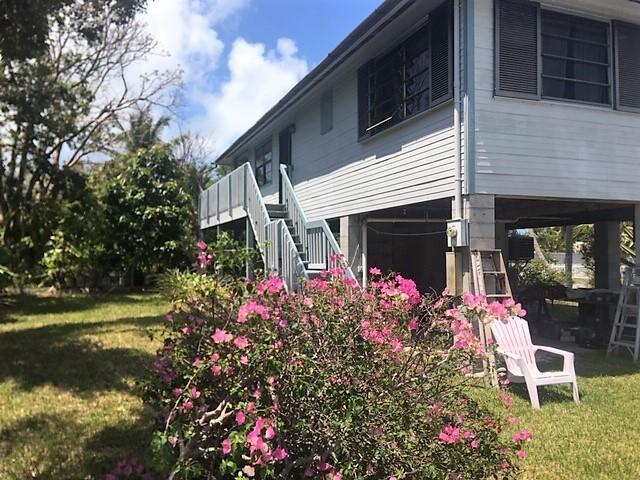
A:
[(435, 128)]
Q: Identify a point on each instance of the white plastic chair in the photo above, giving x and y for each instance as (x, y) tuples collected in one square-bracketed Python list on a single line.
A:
[(514, 343)]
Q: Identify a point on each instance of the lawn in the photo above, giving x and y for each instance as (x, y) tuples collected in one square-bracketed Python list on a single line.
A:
[(70, 403), (597, 439)]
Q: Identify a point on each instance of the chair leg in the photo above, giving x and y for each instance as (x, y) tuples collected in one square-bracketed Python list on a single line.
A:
[(576, 394), (533, 394)]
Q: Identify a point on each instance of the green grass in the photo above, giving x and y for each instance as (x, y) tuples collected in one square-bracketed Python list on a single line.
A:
[(70, 403), (598, 439)]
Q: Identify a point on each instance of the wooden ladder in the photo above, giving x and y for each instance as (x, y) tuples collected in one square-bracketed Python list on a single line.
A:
[(489, 279), (490, 275), (626, 322)]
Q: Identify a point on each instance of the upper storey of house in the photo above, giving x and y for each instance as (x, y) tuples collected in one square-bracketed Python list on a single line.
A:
[(556, 98), (549, 94)]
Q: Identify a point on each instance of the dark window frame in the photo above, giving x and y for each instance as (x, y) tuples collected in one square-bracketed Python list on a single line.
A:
[(367, 128), (264, 175)]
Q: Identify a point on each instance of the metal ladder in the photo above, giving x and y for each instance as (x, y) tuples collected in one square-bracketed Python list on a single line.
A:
[(489, 279), (626, 322)]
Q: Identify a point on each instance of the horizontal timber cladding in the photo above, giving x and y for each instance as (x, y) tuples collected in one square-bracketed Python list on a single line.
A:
[(552, 148)]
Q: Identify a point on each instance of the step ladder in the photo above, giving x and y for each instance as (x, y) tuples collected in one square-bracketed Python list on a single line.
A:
[(490, 275), (490, 280), (626, 322)]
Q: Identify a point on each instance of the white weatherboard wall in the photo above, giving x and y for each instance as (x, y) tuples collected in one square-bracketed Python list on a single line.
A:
[(552, 148), (335, 174)]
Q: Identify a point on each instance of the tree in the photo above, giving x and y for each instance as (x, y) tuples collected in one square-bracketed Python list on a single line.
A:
[(62, 105), (25, 27), (148, 211), (143, 130)]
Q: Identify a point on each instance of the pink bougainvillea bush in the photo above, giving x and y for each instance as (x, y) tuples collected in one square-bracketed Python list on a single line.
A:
[(332, 382)]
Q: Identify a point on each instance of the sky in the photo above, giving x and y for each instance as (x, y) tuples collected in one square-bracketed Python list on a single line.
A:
[(239, 57)]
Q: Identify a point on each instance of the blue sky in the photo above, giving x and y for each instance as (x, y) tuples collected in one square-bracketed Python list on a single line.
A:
[(240, 56)]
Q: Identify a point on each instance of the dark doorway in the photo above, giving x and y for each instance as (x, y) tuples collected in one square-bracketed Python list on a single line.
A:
[(285, 158)]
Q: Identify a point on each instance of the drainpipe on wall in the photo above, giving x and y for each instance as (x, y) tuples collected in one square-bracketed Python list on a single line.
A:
[(458, 214)]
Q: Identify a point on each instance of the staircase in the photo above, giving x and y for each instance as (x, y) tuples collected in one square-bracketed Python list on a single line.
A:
[(291, 246)]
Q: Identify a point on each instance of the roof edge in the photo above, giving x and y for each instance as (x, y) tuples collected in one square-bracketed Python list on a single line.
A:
[(378, 19)]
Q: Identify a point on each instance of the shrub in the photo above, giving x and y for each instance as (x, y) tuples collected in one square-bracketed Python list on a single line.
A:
[(333, 382)]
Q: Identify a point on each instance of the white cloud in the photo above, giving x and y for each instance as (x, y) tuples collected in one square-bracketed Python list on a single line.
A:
[(258, 78), (223, 95), (186, 35)]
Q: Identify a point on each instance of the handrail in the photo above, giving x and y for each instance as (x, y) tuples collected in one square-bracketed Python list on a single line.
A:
[(279, 251), (318, 243), (282, 256)]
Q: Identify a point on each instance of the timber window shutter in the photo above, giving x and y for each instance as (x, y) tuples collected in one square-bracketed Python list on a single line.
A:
[(441, 23), (517, 68), (627, 41)]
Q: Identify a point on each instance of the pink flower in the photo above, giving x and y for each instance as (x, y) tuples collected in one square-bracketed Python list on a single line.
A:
[(226, 446), (216, 369), (177, 392), (196, 362), (270, 433), (244, 360), (522, 436), (413, 324), (375, 271), (202, 245), (188, 406), (252, 308), (323, 466), (195, 393), (506, 399), (512, 419), (241, 342), (467, 435), (450, 434), (240, 417), (280, 453), (475, 444), (272, 285), (221, 336), (522, 454)]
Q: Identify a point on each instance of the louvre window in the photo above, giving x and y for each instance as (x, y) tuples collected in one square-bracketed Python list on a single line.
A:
[(264, 164), (575, 58), (517, 48), (627, 66), (410, 79)]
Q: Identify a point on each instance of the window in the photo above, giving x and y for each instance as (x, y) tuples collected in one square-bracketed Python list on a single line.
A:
[(543, 53), (326, 112), (413, 77), (575, 58), (264, 163)]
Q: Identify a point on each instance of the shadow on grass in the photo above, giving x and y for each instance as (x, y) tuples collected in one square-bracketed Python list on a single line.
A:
[(52, 447), (56, 355), (34, 305)]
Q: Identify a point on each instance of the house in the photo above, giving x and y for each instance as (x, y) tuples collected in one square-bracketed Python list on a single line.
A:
[(435, 128)]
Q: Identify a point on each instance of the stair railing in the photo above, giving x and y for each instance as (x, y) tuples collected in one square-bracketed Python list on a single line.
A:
[(318, 243), (282, 256)]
